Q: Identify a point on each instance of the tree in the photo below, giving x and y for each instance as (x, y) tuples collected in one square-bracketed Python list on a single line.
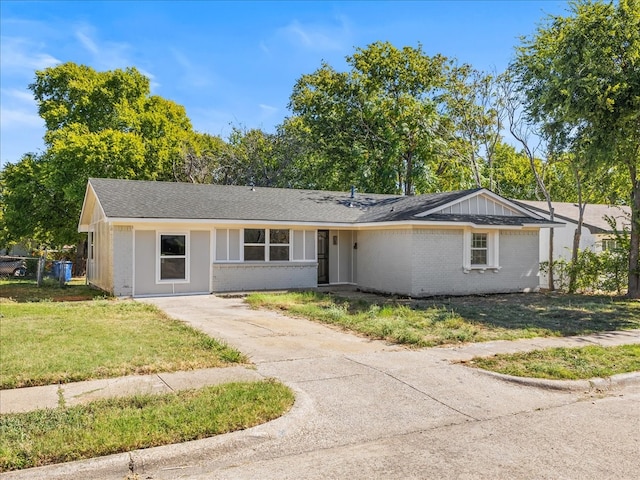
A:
[(581, 78), (203, 160), (376, 126), (475, 105), (531, 140), (99, 124)]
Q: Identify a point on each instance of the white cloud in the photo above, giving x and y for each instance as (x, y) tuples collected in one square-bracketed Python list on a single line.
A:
[(20, 55), (319, 37), (16, 94), (87, 42), (11, 118), (192, 75), (106, 55), (268, 109)]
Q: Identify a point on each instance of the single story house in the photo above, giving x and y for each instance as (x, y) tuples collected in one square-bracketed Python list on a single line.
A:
[(161, 238), (597, 233)]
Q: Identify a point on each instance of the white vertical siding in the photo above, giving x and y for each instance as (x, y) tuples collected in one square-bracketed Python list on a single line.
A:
[(480, 205), (122, 260), (100, 270)]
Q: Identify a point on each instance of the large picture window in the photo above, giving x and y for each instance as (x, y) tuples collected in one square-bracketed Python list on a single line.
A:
[(173, 257), (262, 244)]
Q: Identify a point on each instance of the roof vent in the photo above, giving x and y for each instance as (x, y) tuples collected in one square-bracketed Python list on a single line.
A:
[(253, 188), (353, 191)]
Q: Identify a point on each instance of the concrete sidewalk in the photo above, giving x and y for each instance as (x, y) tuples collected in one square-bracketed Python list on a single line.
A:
[(52, 396)]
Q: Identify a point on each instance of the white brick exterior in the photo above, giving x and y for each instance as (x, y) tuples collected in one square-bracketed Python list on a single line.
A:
[(384, 260), (425, 262), (236, 277)]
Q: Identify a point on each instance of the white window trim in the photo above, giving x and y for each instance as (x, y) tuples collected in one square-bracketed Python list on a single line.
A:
[(186, 257), (267, 243), (493, 251)]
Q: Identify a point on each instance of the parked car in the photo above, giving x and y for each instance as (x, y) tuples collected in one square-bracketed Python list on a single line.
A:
[(11, 266)]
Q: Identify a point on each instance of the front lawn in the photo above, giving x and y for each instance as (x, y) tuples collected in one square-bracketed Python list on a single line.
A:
[(424, 323), (59, 342), (565, 363), (118, 425), (25, 290)]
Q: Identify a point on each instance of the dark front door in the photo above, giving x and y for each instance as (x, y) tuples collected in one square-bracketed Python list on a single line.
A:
[(323, 256)]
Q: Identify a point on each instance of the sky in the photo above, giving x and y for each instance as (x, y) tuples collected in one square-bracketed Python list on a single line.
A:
[(234, 63)]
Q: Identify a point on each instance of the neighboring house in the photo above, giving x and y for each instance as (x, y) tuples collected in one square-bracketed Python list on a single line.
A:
[(597, 234), (159, 238)]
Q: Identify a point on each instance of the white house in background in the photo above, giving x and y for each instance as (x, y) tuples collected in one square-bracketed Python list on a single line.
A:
[(160, 238), (597, 233)]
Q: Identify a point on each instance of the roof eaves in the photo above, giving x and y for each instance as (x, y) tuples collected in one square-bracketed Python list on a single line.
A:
[(84, 227)]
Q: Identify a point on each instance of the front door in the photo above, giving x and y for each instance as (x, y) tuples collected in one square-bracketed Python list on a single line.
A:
[(323, 257)]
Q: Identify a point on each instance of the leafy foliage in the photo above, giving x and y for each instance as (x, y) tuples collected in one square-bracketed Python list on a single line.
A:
[(99, 124), (580, 75)]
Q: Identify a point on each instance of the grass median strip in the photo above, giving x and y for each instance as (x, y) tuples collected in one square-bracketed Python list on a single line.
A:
[(580, 363), (60, 342), (118, 425), (434, 322)]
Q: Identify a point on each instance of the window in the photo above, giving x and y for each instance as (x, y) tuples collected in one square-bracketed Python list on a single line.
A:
[(254, 243), (91, 245), (479, 250), (609, 244), (279, 245), (173, 257), (266, 244)]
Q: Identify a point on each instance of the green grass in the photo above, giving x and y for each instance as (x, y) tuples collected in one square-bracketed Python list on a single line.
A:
[(119, 425), (59, 342), (459, 319), (565, 363), (25, 290)]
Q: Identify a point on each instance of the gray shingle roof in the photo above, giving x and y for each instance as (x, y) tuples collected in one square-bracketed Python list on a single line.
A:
[(151, 200), (594, 214)]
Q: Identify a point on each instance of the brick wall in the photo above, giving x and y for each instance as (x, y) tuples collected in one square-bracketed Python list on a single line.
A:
[(234, 277)]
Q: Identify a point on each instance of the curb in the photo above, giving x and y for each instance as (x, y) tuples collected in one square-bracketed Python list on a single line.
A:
[(591, 385)]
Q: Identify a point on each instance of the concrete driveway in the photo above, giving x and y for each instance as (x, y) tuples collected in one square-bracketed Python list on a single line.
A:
[(366, 409)]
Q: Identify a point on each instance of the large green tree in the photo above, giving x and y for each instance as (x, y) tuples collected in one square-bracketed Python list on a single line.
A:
[(376, 126), (581, 77), (98, 124)]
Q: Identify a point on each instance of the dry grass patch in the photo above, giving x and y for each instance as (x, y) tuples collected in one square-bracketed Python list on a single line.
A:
[(565, 363), (440, 321), (49, 342)]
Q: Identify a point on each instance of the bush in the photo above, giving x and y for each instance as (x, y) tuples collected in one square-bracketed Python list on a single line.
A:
[(595, 272)]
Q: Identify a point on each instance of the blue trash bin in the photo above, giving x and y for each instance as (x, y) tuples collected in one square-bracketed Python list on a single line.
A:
[(66, 270)]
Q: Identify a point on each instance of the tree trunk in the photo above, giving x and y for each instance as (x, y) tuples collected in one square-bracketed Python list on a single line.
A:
[(634, 248), (573, 272), (551, 283), (80, 264), (408, 182)]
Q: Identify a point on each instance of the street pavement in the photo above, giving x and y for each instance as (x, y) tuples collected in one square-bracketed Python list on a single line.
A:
[(366, 409)]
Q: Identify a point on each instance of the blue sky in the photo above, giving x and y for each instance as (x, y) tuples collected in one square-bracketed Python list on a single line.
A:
[(235, 63)]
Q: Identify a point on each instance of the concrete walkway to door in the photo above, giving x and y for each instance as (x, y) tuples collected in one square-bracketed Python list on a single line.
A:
[(367, 409)]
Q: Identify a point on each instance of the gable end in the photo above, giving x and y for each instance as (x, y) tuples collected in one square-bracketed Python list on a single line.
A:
[(481, 203)]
